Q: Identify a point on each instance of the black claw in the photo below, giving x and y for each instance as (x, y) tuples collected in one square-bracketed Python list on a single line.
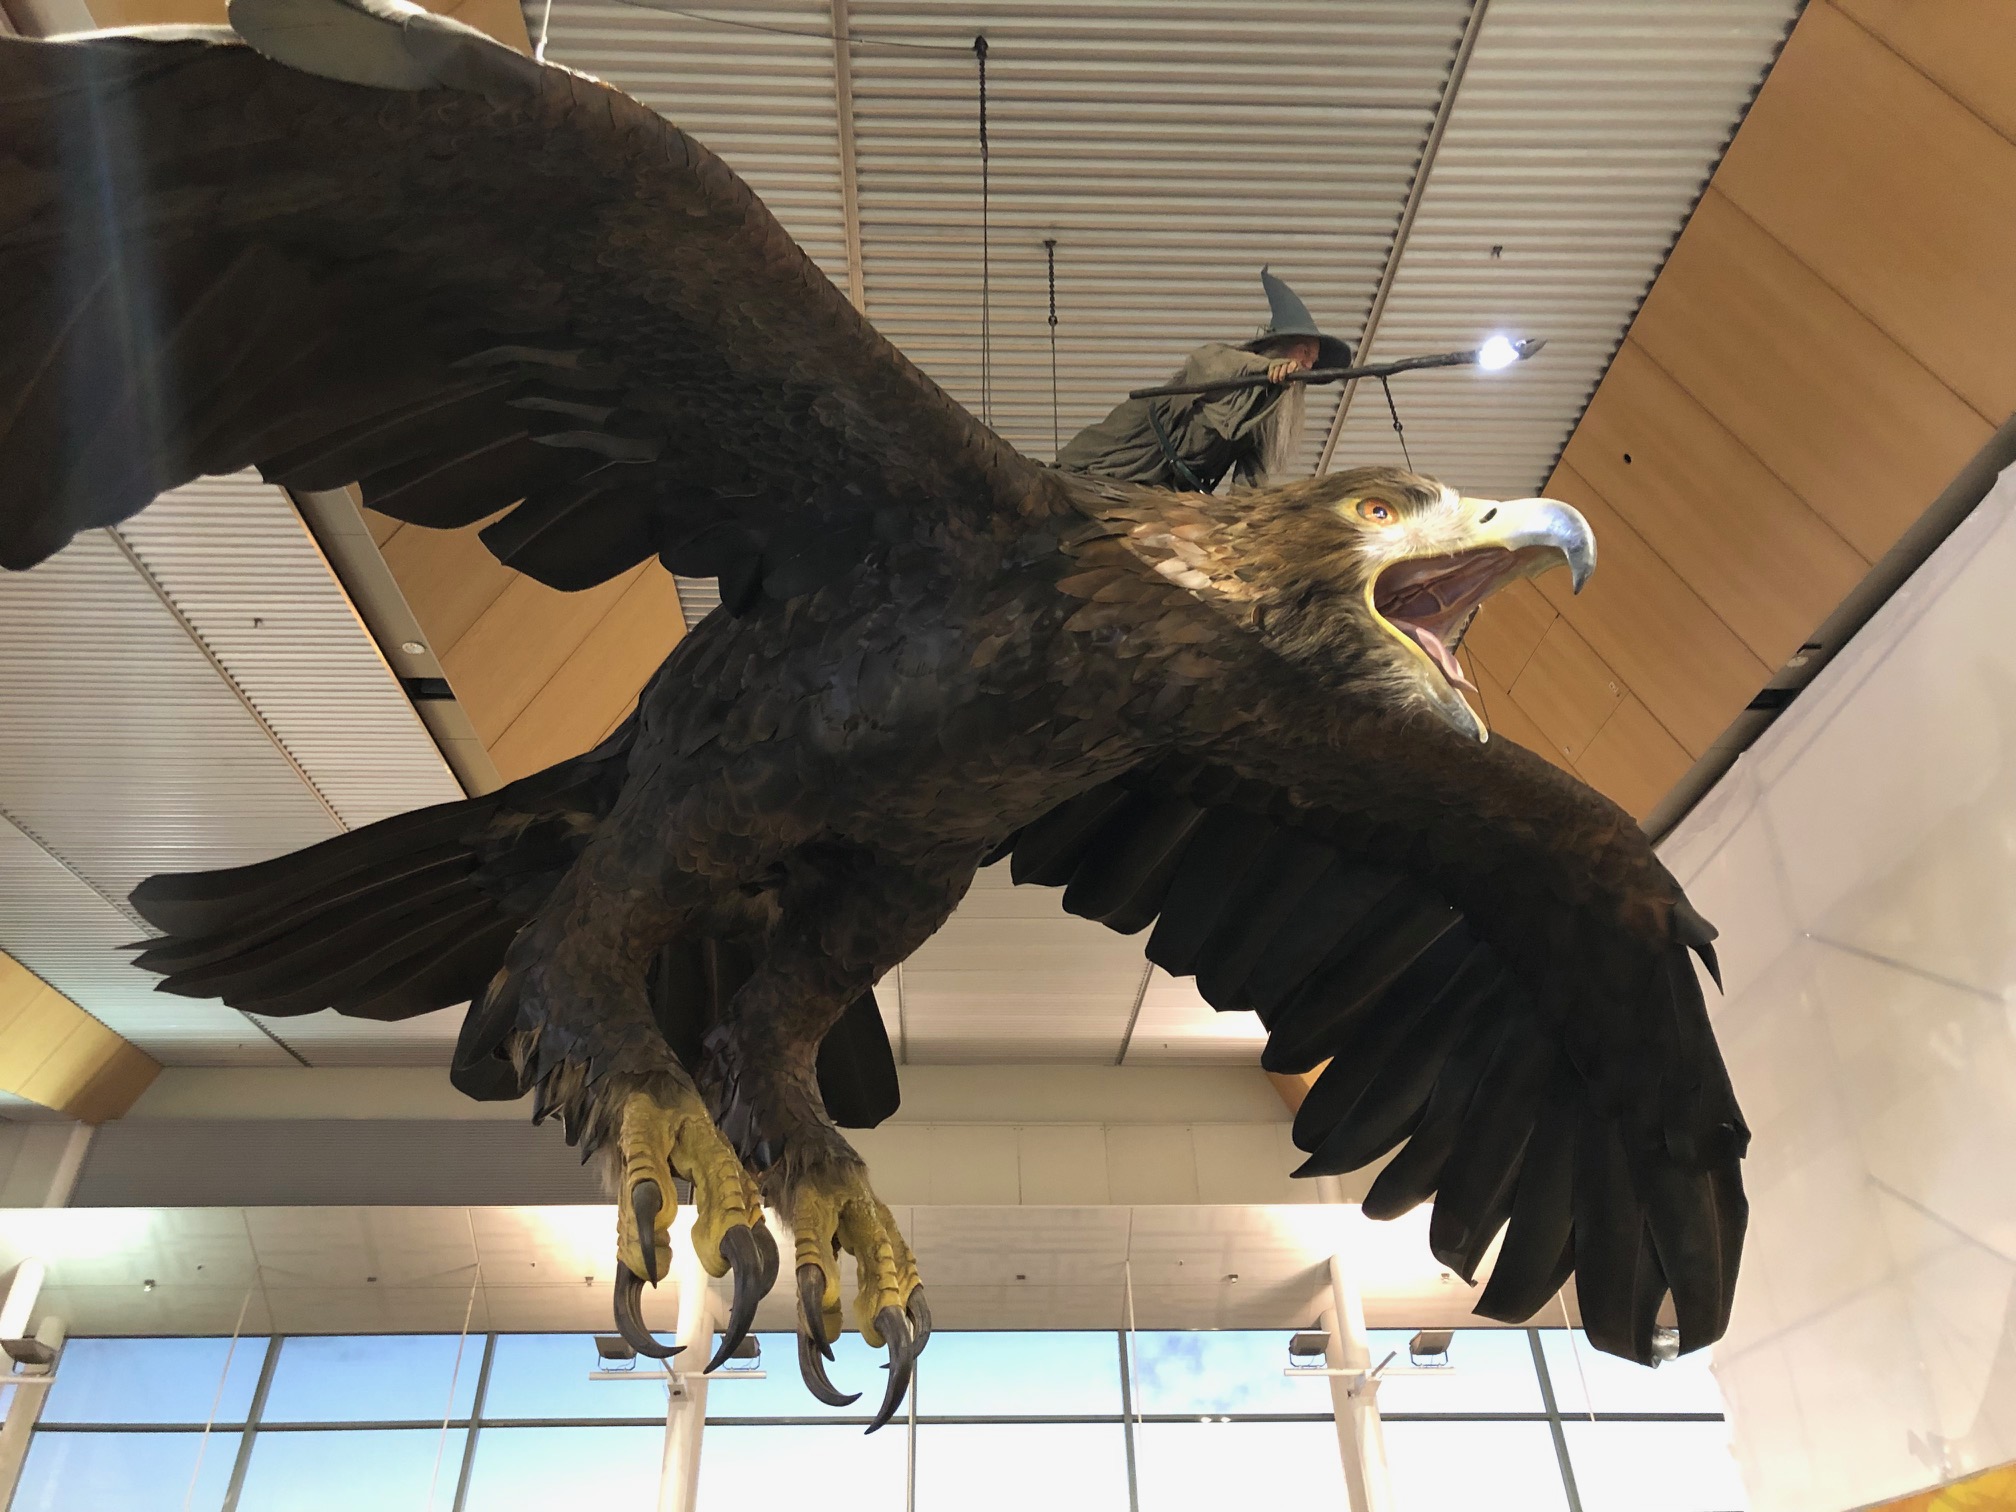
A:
[(920, 1319), (894, 1326), (812, 1307), (646, 1201), (766, 1247), (815, 1369), (745, 1262), (630, 1321)]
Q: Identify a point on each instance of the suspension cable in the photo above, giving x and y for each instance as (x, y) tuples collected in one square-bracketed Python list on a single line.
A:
[(1398, 429), (986, 250), (1050, 268)]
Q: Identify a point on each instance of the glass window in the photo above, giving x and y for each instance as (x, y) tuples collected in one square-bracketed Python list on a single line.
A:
[(833, 1467), (1011, 1467), (343, 1469), (1207, 1467), (545, 1469), (782, 1394), (382, 1378), (1682, 1385), (1020, 1375), (1459, 1467), (1205, 1374), (1490, 1370), (153, 1381), (134, 1472), (546, 1376), (1654, 1467)]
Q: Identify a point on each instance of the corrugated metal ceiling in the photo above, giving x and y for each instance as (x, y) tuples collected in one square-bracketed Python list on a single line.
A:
[(1582, 134), (1170, 147)]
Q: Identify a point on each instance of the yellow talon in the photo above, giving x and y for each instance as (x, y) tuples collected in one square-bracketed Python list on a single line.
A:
[(655, 1141), (837, 1210), (833, 1209)]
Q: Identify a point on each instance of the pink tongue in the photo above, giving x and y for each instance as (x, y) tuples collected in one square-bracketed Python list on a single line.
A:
[(1438, 653)]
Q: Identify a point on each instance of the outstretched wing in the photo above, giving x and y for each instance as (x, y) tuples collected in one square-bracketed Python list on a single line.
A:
[(470, 282), (1510, 1003)]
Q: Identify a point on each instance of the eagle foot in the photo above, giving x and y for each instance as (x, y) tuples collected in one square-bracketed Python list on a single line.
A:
[(833, 1209), (656, 1141)]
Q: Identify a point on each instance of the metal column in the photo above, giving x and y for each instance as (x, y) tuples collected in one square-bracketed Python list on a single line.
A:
[(686, 1411), (1354, 1390), (30, 1379)]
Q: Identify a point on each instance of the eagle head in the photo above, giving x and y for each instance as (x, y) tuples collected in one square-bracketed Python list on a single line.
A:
[(1374, 574)]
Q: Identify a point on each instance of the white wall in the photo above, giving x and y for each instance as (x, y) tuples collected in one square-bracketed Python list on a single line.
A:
[(1861, 863)]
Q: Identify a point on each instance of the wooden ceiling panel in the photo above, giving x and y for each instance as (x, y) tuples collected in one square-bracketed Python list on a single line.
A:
[(1892, 191), (1966, 47), (448, 576), (1778, 356), (1632, 760), (1654, 631), (1506, 630), (1768, 566), (1567, 690), (601, 679), (1507, 721), (520, 643)]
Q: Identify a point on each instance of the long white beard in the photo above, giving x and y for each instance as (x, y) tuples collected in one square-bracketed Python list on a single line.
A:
[(1281, 434)]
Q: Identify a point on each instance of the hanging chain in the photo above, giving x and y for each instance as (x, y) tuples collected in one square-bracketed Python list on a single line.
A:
[(1050, 261), (986, 251), (1398, 429)]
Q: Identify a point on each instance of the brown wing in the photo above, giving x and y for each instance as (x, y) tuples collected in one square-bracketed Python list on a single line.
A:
[(494, 282), (1502, 990)]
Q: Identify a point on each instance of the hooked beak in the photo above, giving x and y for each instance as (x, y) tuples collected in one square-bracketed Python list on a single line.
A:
[(1427, 602)]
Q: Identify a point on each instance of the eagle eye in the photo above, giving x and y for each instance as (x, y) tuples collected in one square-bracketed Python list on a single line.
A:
[(1376, 511)]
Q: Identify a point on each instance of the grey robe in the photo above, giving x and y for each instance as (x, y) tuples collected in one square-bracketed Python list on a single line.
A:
[(1212, 433)]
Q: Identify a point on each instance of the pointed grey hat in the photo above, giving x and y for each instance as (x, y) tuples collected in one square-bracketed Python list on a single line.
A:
[(1288, 316)]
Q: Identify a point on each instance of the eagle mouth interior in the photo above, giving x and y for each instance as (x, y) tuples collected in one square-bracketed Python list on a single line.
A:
[(1430, 600)]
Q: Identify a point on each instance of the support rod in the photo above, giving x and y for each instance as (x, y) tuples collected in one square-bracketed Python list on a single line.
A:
[(1465, 46), (686, 1407), (850, 186)]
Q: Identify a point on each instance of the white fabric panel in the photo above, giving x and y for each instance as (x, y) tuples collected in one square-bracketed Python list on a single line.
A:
[(1861, 862)]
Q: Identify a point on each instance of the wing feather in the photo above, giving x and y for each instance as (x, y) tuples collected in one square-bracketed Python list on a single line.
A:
[(1545, 1072), (505, 287)]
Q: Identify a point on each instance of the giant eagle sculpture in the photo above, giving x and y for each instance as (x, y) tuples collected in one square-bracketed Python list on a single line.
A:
[(349, 241)]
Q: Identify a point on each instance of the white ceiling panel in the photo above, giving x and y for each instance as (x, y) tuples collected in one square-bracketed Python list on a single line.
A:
[(1177, 1027), (1012, 977), (191, 691)]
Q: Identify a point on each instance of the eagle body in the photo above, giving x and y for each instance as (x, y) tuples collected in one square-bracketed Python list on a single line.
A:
[(374, 248)]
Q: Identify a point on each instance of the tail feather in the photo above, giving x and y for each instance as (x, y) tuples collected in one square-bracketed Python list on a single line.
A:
[(346, 901), (416, 913), (330, 969), (402, 917), (195, 904)]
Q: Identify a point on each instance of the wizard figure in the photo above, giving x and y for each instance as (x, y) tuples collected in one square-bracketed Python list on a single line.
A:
[(1192, 441)]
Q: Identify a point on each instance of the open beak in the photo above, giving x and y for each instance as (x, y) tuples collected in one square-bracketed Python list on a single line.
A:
[(1426, 602)]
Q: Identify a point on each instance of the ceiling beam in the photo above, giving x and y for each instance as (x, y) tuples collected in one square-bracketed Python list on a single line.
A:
[(501, 19), (59, 1057), (1465, 46), (850, 188)]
